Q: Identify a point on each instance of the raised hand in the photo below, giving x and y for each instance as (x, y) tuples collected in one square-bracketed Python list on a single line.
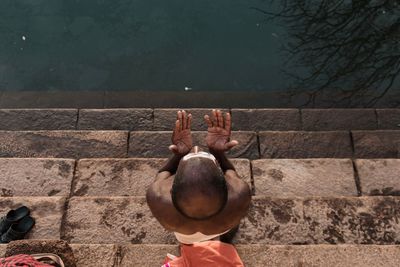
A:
[(219, 132), (182, 137)]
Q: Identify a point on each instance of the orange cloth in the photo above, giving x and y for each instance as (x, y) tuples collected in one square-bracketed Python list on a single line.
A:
[(207, 254)]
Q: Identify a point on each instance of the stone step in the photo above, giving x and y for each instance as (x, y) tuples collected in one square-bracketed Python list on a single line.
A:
[(113, 255), (275, 255), (127, 177), (252, 145), (132, 176), (63, 144), (47, 212), (132, 119), (278, 221)]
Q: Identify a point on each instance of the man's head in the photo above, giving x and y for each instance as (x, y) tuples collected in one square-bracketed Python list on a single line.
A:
[(199, 190)]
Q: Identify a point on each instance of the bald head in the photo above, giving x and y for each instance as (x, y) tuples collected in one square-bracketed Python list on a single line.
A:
[(199, 190)]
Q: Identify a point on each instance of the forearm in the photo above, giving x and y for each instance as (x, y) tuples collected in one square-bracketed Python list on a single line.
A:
[(223, 161), (172, 164)]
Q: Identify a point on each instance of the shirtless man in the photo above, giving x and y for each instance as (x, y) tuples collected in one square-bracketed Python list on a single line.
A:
[(198, 195)]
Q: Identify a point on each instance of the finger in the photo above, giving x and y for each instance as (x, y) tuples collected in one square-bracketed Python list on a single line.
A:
[(208, 121), (189, 121), (180, 119), (220, 119), (214, 118), (184, 120), (228, 122), (177, 126), (231, 144)]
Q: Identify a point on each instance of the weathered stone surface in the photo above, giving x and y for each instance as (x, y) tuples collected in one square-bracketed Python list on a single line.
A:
[(389, 118), (338, 119), (63, 144), (164, 119), (257, 255), (35, 177), (376, 144), (152, 144), (149, 144), (113, 220), (301, 144), (95, 255), (320, 255), (47, 212), (304, 177), (115, 119), (127, 177), (3, 248), (38, 119), (146, 255), (362, 220), (379, 176), (116, 177), (266, 119)]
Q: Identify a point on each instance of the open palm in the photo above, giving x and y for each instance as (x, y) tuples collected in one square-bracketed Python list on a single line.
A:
[(219, 132), (182, 137)]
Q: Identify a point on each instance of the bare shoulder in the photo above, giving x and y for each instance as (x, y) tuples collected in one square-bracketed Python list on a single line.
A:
[(239, 198), (238, 188), (159, 200)]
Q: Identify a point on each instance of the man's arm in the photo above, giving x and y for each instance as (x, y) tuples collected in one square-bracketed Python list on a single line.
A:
[(218, 138), (181, 144)]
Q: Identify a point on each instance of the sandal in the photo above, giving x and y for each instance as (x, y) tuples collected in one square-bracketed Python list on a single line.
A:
[(18, 230), (13, 216)]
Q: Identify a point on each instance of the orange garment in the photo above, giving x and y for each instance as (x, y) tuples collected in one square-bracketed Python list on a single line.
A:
[(206, 254)]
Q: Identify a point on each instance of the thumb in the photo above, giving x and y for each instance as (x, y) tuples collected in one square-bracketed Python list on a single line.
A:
[(231, 144), (173, 148)]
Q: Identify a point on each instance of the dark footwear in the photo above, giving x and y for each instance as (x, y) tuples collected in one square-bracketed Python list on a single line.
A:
[(18, 230), (12, 216)]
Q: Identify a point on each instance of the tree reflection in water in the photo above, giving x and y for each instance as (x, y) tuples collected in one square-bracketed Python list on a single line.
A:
[(348, 46)]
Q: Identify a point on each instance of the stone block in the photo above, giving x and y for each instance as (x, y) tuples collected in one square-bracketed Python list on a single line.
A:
[(116, 177), (63, 144), (389, 118), (107, 220), (266, 119), (362, 220), (304, 177), (320, 255), (273, 221), (146, 255), (38, 119), (379, 176), (47, 212), (376, 144), (155, 144), (350, 220), (338, 119), (3, 248), (164, 119), (95, 255), (127, 177), (115, 119), (35, 177), (302, 144)]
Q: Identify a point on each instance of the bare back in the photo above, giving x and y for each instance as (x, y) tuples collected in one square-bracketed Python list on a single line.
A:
[(160, 203)]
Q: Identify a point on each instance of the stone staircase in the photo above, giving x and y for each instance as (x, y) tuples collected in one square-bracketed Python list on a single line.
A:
[(326, 182)]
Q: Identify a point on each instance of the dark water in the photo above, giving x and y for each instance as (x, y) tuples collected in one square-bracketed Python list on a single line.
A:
[(350, 47)]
